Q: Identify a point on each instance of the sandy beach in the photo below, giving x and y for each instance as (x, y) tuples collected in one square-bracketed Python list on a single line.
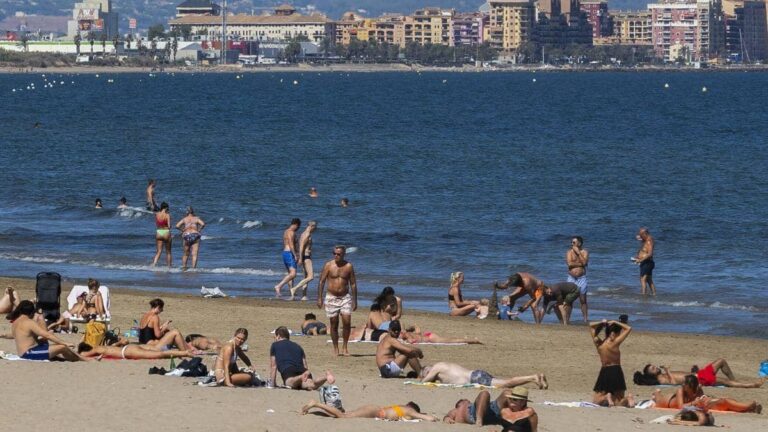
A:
[(120, 395)]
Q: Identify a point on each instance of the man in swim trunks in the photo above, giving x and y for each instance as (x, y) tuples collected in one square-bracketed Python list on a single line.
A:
[(151, 203), (341, 298), (305, 260), (409, 411), (644, 259), (522, 284), (563, 294), (452, 373), (289, 254), (288, 358), (661, 375), (577, 259), (392, 355), (610, 386), (26, 331)]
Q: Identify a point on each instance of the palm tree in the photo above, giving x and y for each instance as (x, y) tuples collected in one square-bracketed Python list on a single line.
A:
[(115, 43), (129, 39), (103, 43), (175, 47), (91, 39), (78, 39), (24, 41)]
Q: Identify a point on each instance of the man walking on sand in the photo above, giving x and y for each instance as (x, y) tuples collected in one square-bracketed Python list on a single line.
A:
[(577, 260), (341, 298), (289, 254), (305, 260), (644, 259)]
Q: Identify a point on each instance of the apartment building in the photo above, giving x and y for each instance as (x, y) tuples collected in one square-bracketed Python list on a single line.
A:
[(632, 27), (598, 17), (681, 29), (511, 23), (429, 26)]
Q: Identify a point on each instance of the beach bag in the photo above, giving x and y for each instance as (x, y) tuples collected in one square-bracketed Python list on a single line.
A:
[(193, 367), (330, 395), (95, 333), (763, 369)]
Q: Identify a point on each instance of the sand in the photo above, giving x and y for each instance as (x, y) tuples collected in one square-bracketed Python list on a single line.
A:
[(120, 395)]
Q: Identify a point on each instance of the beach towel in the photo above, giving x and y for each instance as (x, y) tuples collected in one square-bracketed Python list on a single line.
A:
[(212, 292), (662, 420), (13, 357), (417, 343), (576, 404), (79, 289), (435, 384), (293, 333)]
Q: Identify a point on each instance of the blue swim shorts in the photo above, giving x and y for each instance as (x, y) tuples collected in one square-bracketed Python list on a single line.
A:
[(289, 260)]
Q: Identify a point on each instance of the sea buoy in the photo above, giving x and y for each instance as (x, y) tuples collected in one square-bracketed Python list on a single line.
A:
[(445, 81), (14, 90), (281, 80), (704, 89), (295, 82), (237, 76), (110, 80), (534, 80), (97, 75), (666, 85)]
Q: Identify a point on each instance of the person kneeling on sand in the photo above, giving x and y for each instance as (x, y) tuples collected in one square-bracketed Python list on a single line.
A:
[(451, 373), (288, 358), (610, 386), (392, 355), (510, 410), (127, 352), (226, 370), (26, 331), (409, 411)]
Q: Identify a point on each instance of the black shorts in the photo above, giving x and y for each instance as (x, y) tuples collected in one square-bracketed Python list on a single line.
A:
[(291, 371), (610, 380), (375, 335), (646, 267)]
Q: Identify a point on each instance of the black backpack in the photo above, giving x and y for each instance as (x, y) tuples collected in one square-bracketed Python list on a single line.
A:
[(193, 367)]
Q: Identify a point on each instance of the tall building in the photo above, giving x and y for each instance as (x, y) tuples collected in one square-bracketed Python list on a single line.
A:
[(598, 17), (751, 18), (511, 23), (468, 28), (429, 26), (93, 16), (632, 27), (689, 29), (549, 8)]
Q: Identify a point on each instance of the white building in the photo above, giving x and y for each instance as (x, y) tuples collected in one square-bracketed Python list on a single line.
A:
[(93, 16)]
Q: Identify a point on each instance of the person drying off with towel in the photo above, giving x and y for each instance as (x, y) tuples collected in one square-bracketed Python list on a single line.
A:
[(33, 340), (287, 357), (610, 387), (452, 373), (226, 370), (392, 355), (409, 411)]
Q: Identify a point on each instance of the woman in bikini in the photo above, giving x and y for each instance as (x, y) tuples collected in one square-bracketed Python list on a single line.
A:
[(457, 304), (191, 227), (691, 394), (409, 411), (661, 375), (163, 236), (376, 326), (94, 302), (414, 334), (158, 337), (203, 343), (226, 370), (127, 352)]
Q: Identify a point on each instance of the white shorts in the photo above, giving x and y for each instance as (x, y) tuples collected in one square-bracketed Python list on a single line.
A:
[(581, 282), (335, 305)]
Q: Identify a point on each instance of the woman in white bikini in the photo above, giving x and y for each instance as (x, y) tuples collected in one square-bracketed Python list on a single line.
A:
[(226, 370)]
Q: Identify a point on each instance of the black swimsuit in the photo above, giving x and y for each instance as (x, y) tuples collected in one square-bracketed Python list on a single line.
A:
[(146, 334)]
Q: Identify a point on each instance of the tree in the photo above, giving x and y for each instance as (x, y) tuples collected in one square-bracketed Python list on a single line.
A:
[(103, 43), (115, 43), (24, 41), (78, 39), (153, 48), (129, 39), (186, 31), (292, 51), (91, 39), (175, 47), (156, 31)]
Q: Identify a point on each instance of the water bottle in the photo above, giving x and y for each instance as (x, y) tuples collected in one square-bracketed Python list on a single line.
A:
[(173, 363), (135, 329)]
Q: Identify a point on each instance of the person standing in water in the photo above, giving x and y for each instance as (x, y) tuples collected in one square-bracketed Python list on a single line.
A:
[(577, 259), (163, 236), (191, 227), (644, 259), (289, 255), (151, 203), (305, 260)]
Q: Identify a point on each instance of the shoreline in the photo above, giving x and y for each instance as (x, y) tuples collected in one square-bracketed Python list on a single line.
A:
[(510, 348)]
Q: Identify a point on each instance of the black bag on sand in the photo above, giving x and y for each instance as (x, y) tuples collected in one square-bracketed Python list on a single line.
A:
[(48, 292), (193, 367)]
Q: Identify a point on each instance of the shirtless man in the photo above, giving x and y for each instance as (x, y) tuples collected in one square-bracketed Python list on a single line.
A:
[(151, 203), (610, 386), (341, 298), (392, 355), (525, 283), (563, 295), (451, 373), (644, 259), (289, 255), (409, 411), (305, 260), (577, 259), (26, 331)]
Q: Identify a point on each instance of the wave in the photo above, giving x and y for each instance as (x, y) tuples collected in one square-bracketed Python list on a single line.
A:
[(253, 224), (609, 289), (132, 212), (716, 305), (351, 249), (205, 237)]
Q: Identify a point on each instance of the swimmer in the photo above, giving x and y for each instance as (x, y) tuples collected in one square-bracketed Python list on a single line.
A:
[(345, 202), (98, 204), (151, 203), (313, 192)]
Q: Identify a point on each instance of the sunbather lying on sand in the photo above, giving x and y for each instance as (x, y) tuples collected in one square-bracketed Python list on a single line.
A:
[(128, 352), (203, 343), (510, 410), (656, 375), (691, 394), (452, 373), (409, 411), (414, 334), (692, 416)]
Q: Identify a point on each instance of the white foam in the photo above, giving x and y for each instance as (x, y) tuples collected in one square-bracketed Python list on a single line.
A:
[(205, 237), (352, 249), (252, 224)]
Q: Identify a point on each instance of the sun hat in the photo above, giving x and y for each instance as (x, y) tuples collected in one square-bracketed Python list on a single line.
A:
[(519, 393)]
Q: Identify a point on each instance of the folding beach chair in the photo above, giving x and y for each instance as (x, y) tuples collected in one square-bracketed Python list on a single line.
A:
[(48, 292)]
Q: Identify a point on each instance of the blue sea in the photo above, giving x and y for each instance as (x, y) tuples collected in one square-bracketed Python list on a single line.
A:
[(489, 174)]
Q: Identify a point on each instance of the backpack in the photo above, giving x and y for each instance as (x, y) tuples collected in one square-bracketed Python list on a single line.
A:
[(330, 395), (193, 367), (95, 333)]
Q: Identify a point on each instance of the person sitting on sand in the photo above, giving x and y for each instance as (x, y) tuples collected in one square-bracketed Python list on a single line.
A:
[(456, 302), (376, 326), (27, 332), (203, 343), (9, 301), (517, 416), (390, 303), (312, 327), (661, 375), (392, 355), (226, 370), (509, 409), (127, 352), (94, 302), (414, 335), (64, 322), (409, 411), (693, 416), (610, 386), (287, 357), (452, 373), (483, 308), (156, 336), (691, 394)]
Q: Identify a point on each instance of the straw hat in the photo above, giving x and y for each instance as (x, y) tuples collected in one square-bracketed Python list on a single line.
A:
[(520, 393)]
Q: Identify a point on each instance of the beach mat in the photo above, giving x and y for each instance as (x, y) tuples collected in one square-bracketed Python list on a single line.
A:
[(641, 405), (434, 384), (13, 357)]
